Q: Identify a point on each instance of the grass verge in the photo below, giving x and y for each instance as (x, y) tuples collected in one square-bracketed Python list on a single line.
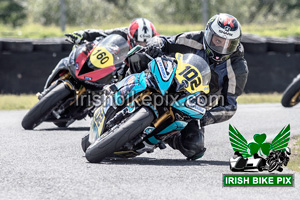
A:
[(27, 101), (31, 30), (294, 163), (17, 102), (39, 31), (251, 98)]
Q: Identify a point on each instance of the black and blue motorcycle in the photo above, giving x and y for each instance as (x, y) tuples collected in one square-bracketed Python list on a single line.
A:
[(143, 110)]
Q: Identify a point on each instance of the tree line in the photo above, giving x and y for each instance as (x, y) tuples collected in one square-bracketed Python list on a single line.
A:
[(97, 12)]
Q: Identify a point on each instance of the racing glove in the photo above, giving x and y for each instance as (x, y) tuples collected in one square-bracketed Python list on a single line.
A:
[(154, 51), (76, 37), (154, 47)]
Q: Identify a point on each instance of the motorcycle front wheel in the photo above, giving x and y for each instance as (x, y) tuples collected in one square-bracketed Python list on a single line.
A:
[(40, 111), (112, 140), (291, 96)]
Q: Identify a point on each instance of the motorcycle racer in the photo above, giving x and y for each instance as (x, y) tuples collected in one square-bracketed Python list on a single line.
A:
[(220, 46), (139, 32)]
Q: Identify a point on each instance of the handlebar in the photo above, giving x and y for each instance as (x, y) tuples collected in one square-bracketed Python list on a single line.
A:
[(69, 41), (138, 49)]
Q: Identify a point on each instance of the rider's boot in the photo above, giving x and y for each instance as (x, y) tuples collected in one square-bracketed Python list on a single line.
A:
[(190, 142)]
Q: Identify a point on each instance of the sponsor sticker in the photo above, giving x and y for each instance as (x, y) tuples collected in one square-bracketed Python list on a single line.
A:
[(88, 78)]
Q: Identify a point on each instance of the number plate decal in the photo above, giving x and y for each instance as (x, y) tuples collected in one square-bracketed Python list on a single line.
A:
[(101, 58)]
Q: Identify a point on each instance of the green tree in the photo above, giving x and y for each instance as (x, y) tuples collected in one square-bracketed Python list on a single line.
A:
[(12, 12), (258, 11), (99, 12)]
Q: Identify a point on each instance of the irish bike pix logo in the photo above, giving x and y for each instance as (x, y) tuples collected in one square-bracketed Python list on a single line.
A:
[(259, 155)]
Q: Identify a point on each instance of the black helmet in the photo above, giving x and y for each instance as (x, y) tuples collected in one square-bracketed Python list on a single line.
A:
[(222, 37)]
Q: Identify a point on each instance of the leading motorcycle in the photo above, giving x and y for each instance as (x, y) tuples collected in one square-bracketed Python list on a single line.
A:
[(145, 109), (89, 67)]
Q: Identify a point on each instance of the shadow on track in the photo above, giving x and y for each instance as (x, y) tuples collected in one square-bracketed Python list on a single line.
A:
[(162, 162), (65, 129)]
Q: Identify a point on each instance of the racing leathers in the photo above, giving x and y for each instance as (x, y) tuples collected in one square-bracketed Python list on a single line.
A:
[(228, 80)]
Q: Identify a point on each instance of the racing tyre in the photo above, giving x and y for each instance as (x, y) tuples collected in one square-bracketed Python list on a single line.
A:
[(113, 140), (85, 143), (291, 96), (39, 111)]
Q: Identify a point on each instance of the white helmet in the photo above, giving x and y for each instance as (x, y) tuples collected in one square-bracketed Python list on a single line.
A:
[(140, 31), (222, 37)]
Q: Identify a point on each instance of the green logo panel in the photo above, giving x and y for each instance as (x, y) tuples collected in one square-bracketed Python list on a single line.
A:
[(269, 180)]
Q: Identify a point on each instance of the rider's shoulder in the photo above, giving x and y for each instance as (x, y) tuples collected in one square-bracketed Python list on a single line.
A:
[(193, 39), (195, 35), (125, 29), (238, 61), (239, 52), (119, 29)]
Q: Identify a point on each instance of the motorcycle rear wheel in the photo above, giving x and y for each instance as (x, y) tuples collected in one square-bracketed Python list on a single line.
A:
[(36, 115), (291, 96), (112, 141)]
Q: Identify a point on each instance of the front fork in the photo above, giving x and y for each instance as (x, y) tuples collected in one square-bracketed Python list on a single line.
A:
[(160, 120), (63, 79), (135, 104), (131, 107)]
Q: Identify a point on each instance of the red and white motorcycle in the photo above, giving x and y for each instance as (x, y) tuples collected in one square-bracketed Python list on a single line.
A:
[(89, 67)]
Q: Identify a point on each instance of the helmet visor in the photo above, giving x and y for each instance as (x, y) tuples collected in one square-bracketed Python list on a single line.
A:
[(219, 44)]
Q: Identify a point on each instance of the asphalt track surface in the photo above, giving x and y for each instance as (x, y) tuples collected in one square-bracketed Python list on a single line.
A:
[(48, 163)]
